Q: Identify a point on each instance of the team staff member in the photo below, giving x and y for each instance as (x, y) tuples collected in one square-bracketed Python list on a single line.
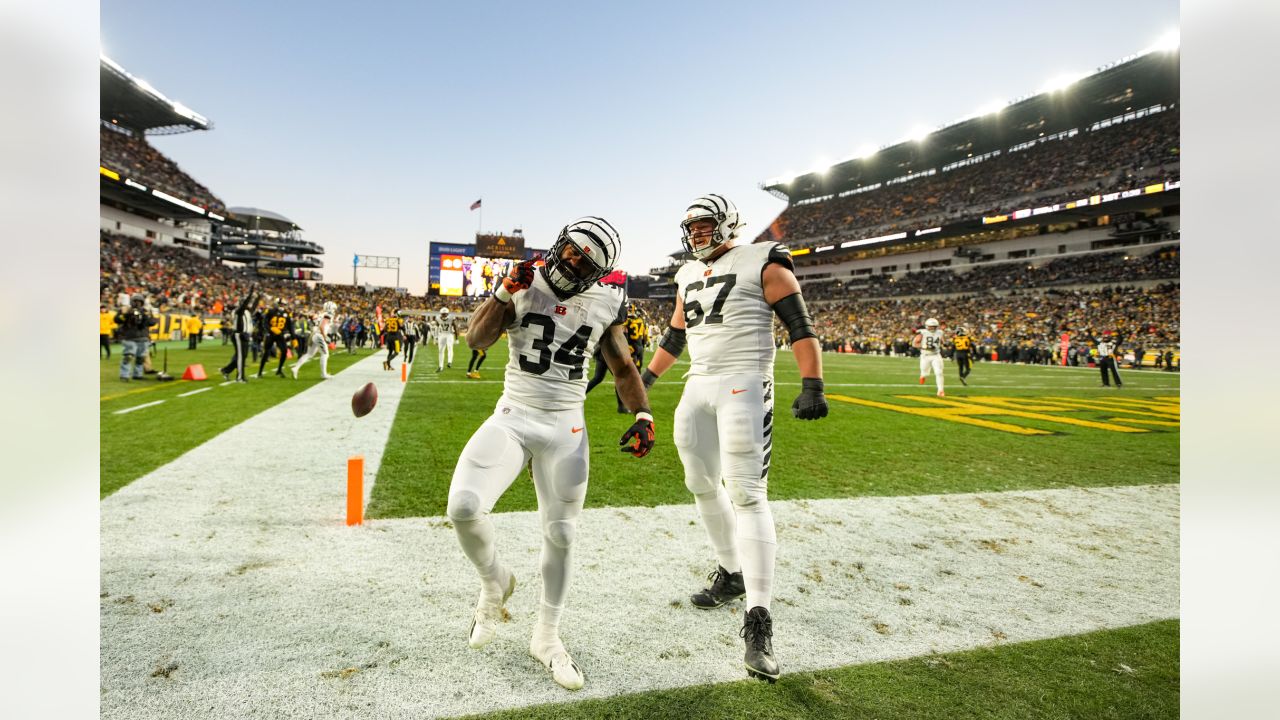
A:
[(963, 344), (410, 338), (278, 329), (106, 326), (240, 338), (392, 330)]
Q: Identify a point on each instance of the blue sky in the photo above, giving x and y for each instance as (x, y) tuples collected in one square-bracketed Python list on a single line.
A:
[(375, 125)]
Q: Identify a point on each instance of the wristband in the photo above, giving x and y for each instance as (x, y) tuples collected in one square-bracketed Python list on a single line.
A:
[(644, 415), (502, 295)]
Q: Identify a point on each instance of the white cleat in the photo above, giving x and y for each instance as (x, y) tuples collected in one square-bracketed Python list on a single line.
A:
[(942, 393), (553, 656), (294, 370), (484, 625), (324, 377)]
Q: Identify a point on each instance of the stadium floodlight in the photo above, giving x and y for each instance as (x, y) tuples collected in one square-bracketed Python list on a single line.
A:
[(866, 150), (821, 166), (1167, 42), (991, 108), (1062, 82), (918, 133)]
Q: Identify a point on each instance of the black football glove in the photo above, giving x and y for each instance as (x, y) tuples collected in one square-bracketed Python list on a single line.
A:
[(641, 431), (811, 404)]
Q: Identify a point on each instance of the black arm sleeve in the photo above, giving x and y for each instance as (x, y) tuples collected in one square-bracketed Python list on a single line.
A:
[(673, 341), (792, 312)]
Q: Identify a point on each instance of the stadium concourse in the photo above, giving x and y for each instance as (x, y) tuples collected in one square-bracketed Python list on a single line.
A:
[(226, 594)]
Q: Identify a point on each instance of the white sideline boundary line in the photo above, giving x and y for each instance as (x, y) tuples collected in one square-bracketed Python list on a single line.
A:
[(136, 407), (229, 581)]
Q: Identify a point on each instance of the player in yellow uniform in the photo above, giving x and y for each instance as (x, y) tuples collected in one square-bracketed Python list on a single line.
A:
[(963, 345)]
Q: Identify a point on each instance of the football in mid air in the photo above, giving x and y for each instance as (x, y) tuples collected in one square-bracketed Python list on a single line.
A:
[(363, 401)]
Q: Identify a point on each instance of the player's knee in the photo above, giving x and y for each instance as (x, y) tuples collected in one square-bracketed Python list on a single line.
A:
[(560, 533), (464, 506), (699, 481), (745, 496)]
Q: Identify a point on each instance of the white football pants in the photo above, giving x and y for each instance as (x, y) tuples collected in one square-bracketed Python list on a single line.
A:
[(444, 350), (724, 434), (934, 363), (493, 457), (317, 345)]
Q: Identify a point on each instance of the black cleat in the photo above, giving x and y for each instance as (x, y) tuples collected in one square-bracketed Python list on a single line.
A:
[(725, 586), (962, 382), (757, 630)]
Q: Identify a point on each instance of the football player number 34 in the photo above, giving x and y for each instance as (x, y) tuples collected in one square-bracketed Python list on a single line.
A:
[(693, 312), (572, 353)]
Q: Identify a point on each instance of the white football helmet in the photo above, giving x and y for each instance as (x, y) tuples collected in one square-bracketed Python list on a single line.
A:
[(723, 213), (931, 323), (596, 241), (444, 313), (330, 308)]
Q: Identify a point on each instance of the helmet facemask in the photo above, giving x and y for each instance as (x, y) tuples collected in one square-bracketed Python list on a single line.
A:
[(718, 210), (596, 244)]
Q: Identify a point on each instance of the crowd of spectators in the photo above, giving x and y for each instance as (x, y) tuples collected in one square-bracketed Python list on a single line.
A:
[(1018, 325), (1107, 267), (135, 158), (1025, 323), (1118, 157)]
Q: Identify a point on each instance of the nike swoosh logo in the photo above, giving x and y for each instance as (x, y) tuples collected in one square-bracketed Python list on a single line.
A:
[(576, 430), (735, 392)]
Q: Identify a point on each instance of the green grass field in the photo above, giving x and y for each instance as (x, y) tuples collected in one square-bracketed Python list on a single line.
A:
[(857, 450), (1012, 428), (1124, 674), (134, 443)]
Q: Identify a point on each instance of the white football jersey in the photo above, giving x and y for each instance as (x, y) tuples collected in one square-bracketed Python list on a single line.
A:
[(320, 325), (728, 324), (443, 327), (930, 342), (551, 342)]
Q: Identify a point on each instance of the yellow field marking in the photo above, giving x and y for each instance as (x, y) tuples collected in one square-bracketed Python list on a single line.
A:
[(1151, 411), (1143, 403), (1137, 421), (957, 415), (127, 393), (1176, 399), (1016, 403), (986, 410)]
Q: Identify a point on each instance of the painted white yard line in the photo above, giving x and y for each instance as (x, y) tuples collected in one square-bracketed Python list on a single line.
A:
[(137, 407), (195, 392), (224, 384), (229, 582)]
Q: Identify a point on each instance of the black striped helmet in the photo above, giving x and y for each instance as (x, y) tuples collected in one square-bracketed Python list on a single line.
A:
[(596, 241), (719, 210)]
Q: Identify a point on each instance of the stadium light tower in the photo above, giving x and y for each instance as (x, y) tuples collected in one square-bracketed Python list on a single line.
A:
[(991, 108), (919, 133), (1062, 82)]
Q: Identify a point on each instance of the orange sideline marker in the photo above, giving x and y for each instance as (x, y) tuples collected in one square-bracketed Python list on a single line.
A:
[(355, 490), (404, 372)]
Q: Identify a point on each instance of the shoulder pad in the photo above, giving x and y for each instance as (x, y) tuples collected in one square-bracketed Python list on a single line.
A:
[(778, 253)]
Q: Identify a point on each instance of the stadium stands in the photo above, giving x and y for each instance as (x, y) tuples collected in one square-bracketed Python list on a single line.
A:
[(134, 157), (1119, 157)]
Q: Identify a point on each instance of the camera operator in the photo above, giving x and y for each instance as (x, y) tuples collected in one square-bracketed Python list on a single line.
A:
[(135, 333)]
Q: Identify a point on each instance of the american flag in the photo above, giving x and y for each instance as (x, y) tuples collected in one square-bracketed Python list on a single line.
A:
[(475, 205)]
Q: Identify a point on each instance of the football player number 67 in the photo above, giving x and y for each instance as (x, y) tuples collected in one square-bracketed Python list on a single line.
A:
[(693, 312), (571, 353)]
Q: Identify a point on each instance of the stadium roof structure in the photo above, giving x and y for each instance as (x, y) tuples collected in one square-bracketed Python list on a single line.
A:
[(133, 103), (1125, 86), (259, 219)]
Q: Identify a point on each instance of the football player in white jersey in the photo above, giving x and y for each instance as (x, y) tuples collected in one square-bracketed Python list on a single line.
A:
[(554, 315), (445, 330), (318, 344), (929, 340), (726, 298)]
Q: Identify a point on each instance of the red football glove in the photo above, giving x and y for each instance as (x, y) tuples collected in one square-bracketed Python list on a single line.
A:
[(520, 277), (641, 431)]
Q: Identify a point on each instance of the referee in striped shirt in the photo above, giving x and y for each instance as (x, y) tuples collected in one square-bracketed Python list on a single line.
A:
[(243, 329), (1107, 361)]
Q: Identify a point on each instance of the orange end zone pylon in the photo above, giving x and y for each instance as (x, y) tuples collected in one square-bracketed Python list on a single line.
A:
[(404, 372), (355, 490)]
